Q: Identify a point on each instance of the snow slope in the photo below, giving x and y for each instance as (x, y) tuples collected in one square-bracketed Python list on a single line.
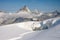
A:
[(23, 31), (14, 30), (11, 31), (49, 34)]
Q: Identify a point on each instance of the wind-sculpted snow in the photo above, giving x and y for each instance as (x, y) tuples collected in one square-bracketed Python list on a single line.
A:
[(46, 24)]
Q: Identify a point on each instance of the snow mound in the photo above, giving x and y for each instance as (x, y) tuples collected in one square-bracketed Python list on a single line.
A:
[(50, 34)]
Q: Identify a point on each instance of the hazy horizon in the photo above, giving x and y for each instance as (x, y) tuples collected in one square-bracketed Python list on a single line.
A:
[(41, 5)]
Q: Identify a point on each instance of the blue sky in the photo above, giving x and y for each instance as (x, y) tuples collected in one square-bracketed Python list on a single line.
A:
[(42, 5)]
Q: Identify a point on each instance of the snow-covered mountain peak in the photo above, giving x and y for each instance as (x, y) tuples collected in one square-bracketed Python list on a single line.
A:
[(25, 9)]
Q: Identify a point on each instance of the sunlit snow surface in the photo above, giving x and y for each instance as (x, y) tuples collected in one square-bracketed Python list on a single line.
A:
[(23, 31), (50, 34)]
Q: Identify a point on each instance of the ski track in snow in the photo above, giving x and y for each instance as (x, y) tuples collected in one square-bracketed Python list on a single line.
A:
[(21, 35)]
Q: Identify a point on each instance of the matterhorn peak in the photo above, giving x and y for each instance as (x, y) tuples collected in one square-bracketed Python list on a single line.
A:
[(24, 9)]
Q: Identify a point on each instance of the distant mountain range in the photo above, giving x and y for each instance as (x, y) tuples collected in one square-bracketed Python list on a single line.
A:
[(25, 14)]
